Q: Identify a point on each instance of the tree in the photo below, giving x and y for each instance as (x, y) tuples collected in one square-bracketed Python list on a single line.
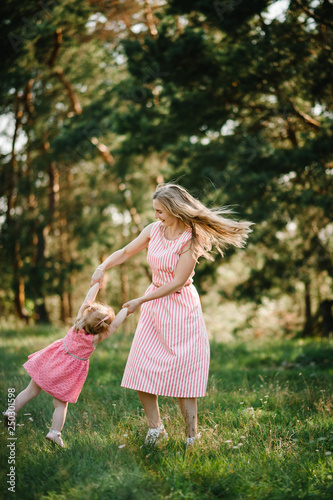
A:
[(106, 99), (242, 108), (63, 190)]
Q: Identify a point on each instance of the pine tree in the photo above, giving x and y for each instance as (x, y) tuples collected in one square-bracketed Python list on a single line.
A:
[(242, 107)]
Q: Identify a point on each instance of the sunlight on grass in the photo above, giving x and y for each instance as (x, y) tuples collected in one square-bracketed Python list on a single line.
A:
[(265, 425)]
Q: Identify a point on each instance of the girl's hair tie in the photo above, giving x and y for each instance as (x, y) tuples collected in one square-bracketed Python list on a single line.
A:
[(90, 304), (106, 317)]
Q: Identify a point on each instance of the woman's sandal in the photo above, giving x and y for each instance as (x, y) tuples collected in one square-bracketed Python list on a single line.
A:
[(154, 434), (55, 436), (190, 440), (9, 418)]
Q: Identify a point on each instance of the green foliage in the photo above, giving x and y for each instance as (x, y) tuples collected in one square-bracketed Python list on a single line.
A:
[(61, 205), (226, 101), (245, 123)]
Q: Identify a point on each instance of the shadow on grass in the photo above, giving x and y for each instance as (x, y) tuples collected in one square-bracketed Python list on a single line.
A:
[(279, 436), (98, 469), (276, 354), (44, 330)]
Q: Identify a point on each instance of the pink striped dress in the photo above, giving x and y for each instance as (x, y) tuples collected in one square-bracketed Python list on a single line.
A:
[(170, 350)]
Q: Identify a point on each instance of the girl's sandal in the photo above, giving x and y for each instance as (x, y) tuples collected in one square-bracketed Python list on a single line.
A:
[(55, 436), (190, 440), (9, 418), (153, 435)]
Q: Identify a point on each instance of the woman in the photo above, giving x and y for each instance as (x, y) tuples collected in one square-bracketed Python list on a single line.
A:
[(170, 350)]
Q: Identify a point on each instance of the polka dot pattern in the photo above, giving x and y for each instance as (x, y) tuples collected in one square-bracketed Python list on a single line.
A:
[(57, 372)]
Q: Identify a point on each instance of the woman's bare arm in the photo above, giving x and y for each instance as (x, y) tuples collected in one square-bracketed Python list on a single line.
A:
[(118, 320), (185, 266), (122, 255)]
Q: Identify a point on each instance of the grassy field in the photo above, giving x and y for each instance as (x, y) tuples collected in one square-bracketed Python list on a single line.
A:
[(266, 427)]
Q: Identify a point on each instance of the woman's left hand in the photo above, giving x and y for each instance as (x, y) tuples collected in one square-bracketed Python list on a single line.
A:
[(132, 305), (97, 277)]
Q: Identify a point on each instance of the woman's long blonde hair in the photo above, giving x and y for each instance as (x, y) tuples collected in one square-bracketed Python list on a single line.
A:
[(94, 318), (209, 226)]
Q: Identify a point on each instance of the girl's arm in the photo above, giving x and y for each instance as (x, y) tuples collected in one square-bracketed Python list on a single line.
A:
[(90, 297), (112, 328), (185, 266), (122, 255)]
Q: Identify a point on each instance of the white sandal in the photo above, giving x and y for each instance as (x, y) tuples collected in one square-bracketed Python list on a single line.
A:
[(190, 440), (55, 436), (154, 434)]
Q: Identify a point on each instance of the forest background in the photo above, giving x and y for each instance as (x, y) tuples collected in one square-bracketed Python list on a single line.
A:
[(101, 100)]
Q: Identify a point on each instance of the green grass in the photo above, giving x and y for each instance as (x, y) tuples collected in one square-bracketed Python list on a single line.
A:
[(266, 427)]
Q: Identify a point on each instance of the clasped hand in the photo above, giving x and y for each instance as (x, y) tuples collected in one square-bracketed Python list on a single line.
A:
[(97, 277), (132, 305)]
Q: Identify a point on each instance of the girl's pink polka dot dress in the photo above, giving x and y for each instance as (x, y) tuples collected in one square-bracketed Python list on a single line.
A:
[(59, 373)]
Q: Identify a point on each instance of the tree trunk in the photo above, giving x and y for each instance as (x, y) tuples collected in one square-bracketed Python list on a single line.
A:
[(72, 280), (42, 315), (53, 192), (325, 309), (19, 288), (13, 230), (64, 307), (65, 252), (150, 20), (308, 324)]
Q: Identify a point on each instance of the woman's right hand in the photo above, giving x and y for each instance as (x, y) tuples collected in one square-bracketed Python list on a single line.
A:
[(97, 277)]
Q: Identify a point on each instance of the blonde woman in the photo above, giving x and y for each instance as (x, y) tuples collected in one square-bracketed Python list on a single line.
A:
[(170, 350)]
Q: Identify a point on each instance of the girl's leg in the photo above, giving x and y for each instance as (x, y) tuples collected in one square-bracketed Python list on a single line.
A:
[(188, 408), (150, 405), (58, 420), (59, 414), (27, 395)]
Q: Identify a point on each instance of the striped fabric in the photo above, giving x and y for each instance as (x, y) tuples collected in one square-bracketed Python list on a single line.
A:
[(170, 350)]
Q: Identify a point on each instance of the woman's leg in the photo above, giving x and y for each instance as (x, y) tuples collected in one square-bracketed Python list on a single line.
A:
[(156, 428), (188, 408), (59, 414), (152, 411), (27, 395)]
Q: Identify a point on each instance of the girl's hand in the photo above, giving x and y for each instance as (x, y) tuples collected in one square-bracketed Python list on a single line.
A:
[(132, 305), (97, 277)]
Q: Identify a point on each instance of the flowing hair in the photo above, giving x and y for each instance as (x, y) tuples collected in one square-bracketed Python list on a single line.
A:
[(94, 318), (209, 226)]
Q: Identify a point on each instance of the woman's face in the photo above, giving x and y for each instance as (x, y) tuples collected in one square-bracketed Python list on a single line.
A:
[(161, 214)]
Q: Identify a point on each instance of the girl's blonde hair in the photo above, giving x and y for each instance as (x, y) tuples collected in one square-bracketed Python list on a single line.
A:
[(209, 226), (94, 319)]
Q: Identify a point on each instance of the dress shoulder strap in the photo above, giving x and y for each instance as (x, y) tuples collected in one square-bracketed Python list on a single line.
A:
[(156, 230), (184, 239)]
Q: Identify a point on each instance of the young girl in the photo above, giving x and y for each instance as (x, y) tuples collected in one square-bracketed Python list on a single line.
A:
[(62, 368)]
